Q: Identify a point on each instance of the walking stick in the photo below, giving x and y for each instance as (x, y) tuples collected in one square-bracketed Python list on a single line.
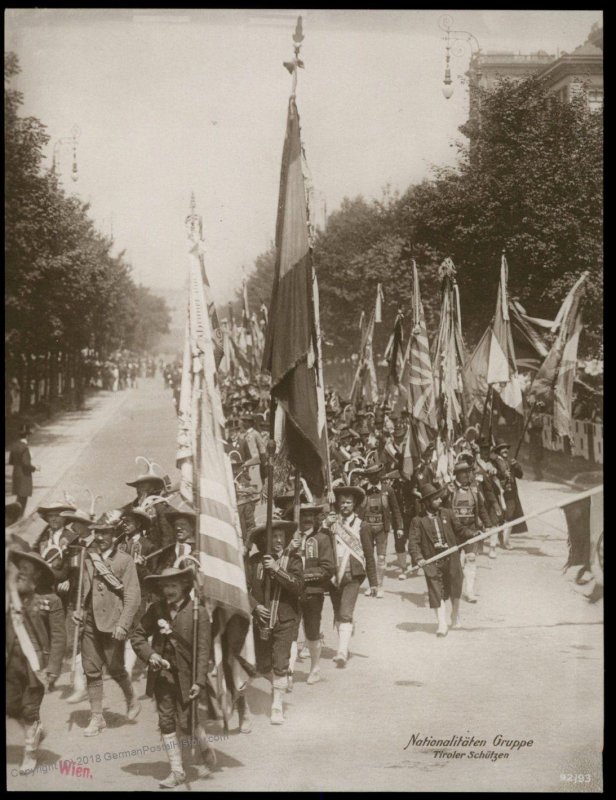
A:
[(82, 561)]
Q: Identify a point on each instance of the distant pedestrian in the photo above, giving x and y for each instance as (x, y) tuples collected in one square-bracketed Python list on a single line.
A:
[(15, 396), (21, 461)]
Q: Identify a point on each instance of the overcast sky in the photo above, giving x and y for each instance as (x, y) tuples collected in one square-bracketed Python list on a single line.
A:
[(174, 101)]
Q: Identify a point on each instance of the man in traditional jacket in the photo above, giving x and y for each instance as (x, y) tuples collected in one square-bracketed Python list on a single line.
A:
[(168, 622), (382, 514), (433, 532), (35, 642), (466, 502), (275, 626), (315, 548), (111, 600), (354, 554), (508, 471)]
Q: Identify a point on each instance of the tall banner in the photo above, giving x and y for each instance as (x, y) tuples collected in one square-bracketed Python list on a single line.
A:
[(207, 483), (291, 344)]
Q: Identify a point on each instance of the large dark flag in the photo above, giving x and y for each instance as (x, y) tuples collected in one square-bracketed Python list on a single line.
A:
[(291, 352)]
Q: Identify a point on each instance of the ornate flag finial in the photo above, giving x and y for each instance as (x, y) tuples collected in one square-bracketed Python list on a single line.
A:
[(292, 66)]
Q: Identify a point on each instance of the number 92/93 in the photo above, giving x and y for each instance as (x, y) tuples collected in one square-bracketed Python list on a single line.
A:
[(575, 778)]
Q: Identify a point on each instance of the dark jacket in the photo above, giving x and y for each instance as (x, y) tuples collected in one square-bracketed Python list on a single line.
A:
[(177, 647), (44, 620), (422, 537), (291, 580), (319, 564), (21, 462), (508, 471)]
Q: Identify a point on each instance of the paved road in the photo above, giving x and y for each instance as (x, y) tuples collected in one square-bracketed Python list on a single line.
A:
[(528, 665)]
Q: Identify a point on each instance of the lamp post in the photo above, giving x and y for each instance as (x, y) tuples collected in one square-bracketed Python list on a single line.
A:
[(455, 49), (72, 142)]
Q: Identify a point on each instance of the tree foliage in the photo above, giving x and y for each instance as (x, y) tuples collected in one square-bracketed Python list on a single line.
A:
[(528, 181), (64, 290)]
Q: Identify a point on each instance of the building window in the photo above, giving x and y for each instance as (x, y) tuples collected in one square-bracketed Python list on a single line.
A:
[(595, 99)]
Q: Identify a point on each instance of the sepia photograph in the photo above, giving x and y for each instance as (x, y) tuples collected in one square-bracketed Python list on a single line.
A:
[(304, 400)]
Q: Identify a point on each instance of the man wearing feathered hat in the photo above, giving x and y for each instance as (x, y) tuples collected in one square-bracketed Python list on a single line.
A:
[(169, 624), (35, 643), (111, 601), (275, 626), (382, 514), (151, 490), (435, 530), (354, 556)]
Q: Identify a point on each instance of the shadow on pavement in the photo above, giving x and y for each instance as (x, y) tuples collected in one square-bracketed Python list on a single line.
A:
[(417, 627), (46, 758), (419, 600)]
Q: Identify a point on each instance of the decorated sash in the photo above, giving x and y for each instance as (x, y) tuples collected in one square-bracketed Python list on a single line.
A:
[(104, 571), (351, 546)]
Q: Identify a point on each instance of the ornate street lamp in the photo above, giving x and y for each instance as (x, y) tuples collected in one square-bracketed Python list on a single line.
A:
[(444, 24), (72, 142)]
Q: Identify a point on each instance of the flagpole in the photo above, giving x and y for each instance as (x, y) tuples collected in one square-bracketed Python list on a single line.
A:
[(485, 410), (526, 424), (271, 451), (512, 523)]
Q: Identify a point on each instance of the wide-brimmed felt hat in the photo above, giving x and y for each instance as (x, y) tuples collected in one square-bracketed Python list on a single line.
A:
[(500, 445), (356, 492), (139, 514), (427, 491), (55, 508), (182, 511), (25, 430), (305, 508), (146, 479), (257, 535), (373, 469), (34, 558), (462, 465), (76, 516), (12, 512), (108, 521), (154, 582)]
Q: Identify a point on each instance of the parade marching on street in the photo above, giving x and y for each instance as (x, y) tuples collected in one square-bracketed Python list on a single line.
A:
[(268, 547), (475, 680)]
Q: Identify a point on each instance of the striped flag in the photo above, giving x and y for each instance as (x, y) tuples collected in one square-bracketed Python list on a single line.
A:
[(365, 384), (422, 407), (502, 371), (291, 352), (553, 383), (449, 355), (207, 483)]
